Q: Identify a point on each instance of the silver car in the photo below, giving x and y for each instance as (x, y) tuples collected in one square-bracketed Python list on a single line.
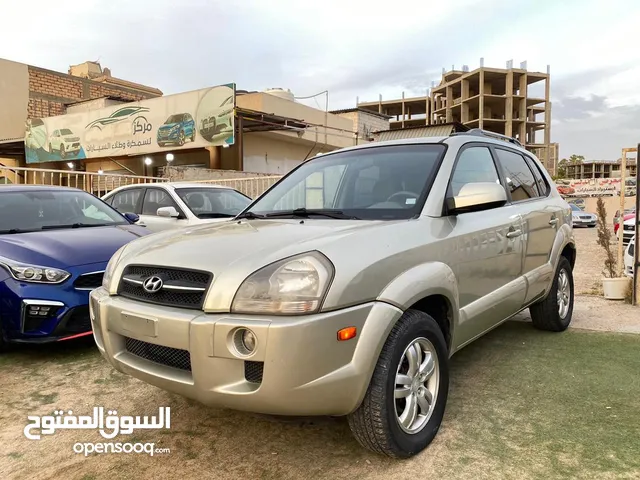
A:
[(347, 286)]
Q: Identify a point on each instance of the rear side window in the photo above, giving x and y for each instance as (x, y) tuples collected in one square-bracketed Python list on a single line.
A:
[(520, 180), (156, 198), (126, 201), (475, 164), (543, 186)]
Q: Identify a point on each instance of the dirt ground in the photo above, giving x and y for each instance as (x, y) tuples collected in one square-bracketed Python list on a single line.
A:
[(523, 404)]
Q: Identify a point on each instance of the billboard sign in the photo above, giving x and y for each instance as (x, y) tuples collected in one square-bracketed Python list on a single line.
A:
[(201, 118)]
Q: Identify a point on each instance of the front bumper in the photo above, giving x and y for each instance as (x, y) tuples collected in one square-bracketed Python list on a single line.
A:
[(584, 223), (298, 367), (169, 136), (67, 307)]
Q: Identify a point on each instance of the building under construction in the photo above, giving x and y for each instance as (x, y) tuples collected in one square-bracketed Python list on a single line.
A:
[(600, 169), (512, 101)]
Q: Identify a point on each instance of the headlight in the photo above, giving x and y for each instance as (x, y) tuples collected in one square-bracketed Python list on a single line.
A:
[(111, 267), (34, 273), (293, 286)]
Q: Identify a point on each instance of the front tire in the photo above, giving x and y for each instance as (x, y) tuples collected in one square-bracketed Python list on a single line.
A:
[(404, 404), (181, 139), (554, 312), (4, 345), (63, 153)]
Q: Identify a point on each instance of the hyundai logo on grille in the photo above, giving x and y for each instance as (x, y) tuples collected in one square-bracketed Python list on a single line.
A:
[(152, 284)]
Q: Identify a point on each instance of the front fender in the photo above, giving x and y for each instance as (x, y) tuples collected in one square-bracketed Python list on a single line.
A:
[(431, 278)]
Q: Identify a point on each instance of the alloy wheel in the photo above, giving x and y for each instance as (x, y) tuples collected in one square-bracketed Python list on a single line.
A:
[(416, 385)]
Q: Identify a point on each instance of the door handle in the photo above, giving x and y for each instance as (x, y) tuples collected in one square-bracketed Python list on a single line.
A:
[(514, 233), (553, 222)]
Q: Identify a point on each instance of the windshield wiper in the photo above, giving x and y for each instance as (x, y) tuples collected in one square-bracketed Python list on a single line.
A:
[(250, 215), (14, 230), (75, 225), (215, 215), (306, 213)]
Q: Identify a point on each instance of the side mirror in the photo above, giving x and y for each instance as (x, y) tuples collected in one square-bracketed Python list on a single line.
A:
[(167, 212), (477, 196), (132, 217)]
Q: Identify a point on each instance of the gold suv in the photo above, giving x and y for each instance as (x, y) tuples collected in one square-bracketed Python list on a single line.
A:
[(347, 286)]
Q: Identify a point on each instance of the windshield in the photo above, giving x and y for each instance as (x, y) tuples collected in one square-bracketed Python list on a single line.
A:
[(174, 119), (575, 208), (66, 131), (379, 183), (213, 202), (43, 209)]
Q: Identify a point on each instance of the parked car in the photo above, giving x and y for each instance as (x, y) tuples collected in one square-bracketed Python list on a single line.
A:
[(579, 202), (177, 129), (581, 218), (626, 215), (628, 229), (346, 287), (55, 243), (565, 190), (163, 206), (628, 257), (65, 142)]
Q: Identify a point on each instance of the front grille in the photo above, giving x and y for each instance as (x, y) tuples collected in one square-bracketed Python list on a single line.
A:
[(628, 227), (170, 357), (131, 286), (584, 217), (253, 371), (88, 281)]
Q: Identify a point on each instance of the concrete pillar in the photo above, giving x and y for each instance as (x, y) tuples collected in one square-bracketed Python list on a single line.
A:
[(215, 158), (508, 113), (481, 108)]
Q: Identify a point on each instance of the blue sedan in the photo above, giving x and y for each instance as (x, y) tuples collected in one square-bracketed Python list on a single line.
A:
[(55, 244)]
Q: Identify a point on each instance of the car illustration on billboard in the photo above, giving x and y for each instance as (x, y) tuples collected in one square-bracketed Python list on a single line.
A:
[(117, 116), (65, 142), (177, 129)]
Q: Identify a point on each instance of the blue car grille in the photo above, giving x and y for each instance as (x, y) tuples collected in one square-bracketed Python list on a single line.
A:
[(89, 281)]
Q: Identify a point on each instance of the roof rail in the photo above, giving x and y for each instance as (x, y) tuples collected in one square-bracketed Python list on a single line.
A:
[(487, 133)]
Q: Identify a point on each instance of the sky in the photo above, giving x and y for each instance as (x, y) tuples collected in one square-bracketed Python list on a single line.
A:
[(354, 49)]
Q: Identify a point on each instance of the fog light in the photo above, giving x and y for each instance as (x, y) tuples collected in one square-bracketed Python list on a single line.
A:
[(249, 340), (244, 341)]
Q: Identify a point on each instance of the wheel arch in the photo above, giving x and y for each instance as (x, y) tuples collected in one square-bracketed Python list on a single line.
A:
[(431, 288)]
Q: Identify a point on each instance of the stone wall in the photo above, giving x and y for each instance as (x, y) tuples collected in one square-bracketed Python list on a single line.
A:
[(179, 174)]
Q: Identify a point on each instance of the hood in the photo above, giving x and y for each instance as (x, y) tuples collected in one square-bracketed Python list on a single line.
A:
[(69, 247), (168, 126), (246, 244)]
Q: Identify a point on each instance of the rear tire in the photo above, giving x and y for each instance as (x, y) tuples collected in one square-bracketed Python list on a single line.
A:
[(377, 423), (554, 312)]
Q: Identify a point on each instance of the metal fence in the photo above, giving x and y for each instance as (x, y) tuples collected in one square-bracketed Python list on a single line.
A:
[(250, 186), (101, 183)]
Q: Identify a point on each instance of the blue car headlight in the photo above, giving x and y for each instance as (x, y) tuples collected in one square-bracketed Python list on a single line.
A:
[(33, 273)]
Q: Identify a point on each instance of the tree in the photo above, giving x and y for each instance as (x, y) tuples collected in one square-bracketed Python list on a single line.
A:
[(561, 170)]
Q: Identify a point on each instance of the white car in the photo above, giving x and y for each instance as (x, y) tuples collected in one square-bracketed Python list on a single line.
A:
[(218, 120), (628, 230), (164, 206), (628, 258), (65, 142)]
